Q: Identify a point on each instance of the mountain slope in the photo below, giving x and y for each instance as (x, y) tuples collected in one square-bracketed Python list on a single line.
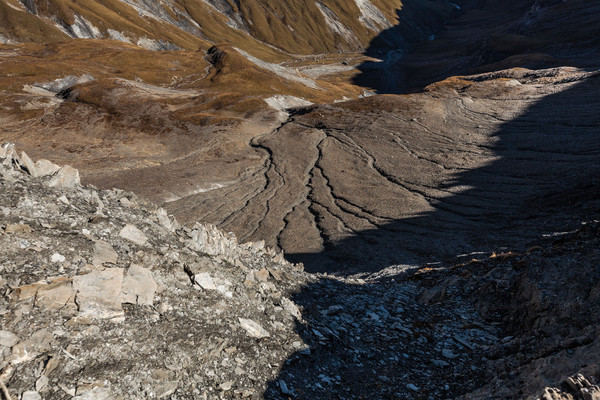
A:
[(210, 140), (305, 27)]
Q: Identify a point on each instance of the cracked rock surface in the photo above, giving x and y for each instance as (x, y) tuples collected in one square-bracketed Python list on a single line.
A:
[(91, 313), (362, 185)]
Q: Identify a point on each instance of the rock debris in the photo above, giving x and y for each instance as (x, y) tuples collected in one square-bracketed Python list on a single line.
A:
[(105, 298)]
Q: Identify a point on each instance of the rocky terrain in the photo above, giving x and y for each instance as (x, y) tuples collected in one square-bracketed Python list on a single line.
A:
[(363, 199), (496, 129), (105, 296)]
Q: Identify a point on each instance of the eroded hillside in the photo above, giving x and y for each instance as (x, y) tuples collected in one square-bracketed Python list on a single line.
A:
[(441, 159), (104, 296)]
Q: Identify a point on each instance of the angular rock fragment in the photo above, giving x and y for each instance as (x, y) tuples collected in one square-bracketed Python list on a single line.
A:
[(205, 281), (104, 253), (57, 258), (45, 168), (31, 395), (55, 295), (4, 150), (18, 228), (166, 389), (39, 168), (41, 341), (133, 234), (99, 293), (290, 307), (208, 239), (163, 219), (28, 164), (42, 383), (67, 177), (253, 329), (262, 275), (138, 286), (128, 203), (97, 393), (8, 339)]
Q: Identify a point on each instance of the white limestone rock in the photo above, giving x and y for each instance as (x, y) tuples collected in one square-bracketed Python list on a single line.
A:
[(138, 286), (31, 395), (253, 329), (163, 219), (97, 393), (290, 307), (57, 258), (67, 177), (205, 281), (208, 239), (133, 234), (8, 339), (99, 293), (104, 253), (45, 168)]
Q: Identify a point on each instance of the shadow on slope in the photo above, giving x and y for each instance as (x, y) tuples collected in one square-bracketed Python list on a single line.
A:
[(484, 36), (546, 165), (546, 178), (417, 21)]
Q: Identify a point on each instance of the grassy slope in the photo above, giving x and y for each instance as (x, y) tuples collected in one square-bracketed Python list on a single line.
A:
[(233, 86), (296, 27), (27, 27)]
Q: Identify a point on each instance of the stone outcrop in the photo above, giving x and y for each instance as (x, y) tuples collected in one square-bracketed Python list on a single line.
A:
[(89, 312), (98, 298)]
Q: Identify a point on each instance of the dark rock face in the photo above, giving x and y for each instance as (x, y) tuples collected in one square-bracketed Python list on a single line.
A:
[(487, 36)]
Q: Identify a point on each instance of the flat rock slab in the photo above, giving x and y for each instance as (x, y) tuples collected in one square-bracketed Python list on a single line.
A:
[(253, 329), (8, 339), (99, 293), (18, 228), (133, 234), (138, 286), (39, 168), (104, 253), (97, 393), (55, 295), (41, 341)]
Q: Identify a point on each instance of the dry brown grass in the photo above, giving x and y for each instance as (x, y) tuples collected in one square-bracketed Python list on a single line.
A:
[(27, 27), (296, 27), (233, 89)]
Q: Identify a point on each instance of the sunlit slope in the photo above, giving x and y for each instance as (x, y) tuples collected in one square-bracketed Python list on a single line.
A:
[(262, 27)]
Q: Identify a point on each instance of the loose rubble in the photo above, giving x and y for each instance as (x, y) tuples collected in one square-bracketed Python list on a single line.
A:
[(104, 296)]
